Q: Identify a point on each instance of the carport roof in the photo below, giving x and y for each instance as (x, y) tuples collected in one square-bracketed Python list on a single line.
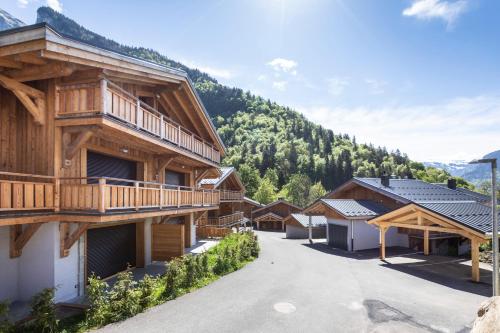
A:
[(317, 221), (355, 208), (468, 213)]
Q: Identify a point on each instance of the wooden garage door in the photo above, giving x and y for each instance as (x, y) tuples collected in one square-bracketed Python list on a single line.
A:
[(167, 241), (337, 236), (110, 250)]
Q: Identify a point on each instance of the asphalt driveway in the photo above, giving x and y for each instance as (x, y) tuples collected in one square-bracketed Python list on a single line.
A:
[(296, 287)]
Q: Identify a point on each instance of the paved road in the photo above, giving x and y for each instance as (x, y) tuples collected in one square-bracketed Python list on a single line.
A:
[(294, 287)]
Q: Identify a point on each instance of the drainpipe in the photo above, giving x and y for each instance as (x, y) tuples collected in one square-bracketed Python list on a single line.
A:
[(352, 235)]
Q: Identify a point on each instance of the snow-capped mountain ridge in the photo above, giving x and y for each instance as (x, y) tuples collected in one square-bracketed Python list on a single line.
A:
[(8, 21)]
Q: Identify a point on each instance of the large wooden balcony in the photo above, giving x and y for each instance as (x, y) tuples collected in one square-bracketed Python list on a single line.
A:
[(96, 195), (103, 98)]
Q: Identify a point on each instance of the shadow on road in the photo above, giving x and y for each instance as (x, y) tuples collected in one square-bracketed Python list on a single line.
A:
[(452, 272)]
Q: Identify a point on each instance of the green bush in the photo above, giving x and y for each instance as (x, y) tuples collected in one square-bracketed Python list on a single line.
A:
[(5, 325), (43, 312), (147, 287), (174, 277), (99, 311), (124, 297)]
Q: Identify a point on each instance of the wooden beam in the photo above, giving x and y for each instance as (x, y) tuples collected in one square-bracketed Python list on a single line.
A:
[(49, 71), (11, 84), (36, 109), (30, 58), (382, 242), (19, 236), (180, 116), (164, 162), (475, 259), (68, 239), (4, 62), (188, 111), (426, 242), (71, 149), (202, 175)]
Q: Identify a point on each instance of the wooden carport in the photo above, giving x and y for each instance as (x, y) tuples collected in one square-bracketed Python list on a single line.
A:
[(270, 218), (414, 216)]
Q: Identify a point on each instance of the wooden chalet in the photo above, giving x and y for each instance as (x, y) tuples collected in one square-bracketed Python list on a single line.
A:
[(273, 215), (100, 155), (367, 213), (230, 212)]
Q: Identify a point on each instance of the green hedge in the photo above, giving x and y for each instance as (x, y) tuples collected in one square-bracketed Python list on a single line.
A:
[(127, 297)]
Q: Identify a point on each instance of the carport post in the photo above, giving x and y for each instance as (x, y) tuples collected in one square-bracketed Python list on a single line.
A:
[(383, 229), (310, 230), (426, 242)]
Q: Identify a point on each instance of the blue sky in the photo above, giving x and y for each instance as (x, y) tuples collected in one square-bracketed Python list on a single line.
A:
[(419, 75)]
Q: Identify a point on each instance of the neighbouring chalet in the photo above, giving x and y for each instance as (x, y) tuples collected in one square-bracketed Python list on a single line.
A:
[(231, 209), (100, 155), (273, 215), (250, 205), (297, 226), (368, 213)]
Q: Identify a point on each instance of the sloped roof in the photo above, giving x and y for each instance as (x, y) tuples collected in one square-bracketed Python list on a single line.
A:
[(355, 208), (225, 172), (317, 221), (414, 190), (256, 203), (479, 197), (276, 203), (468, 213)]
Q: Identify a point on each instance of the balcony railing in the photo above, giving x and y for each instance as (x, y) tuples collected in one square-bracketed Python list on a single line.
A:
[(105, 97), (97, 194), (231, 195), (227, 220)]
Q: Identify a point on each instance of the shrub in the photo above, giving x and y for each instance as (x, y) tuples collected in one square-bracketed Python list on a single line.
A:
[(5, 325), (99, 311), (205, 268), (173, 278), (124, 297), (146, 288), (43, 312), (190, 277)]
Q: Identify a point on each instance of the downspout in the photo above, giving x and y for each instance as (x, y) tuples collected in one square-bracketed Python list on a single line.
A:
[(352, 235)]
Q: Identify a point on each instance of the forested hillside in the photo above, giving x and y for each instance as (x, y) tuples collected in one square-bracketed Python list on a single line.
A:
[(277, 151)]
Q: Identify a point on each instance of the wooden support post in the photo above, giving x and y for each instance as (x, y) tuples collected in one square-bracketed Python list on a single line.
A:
[(137, 191), (426, 242), (102, 195), (19, 236), (137, 111), (382, 242), (475, 259), (67, 238), (104, 95), (57, 195)]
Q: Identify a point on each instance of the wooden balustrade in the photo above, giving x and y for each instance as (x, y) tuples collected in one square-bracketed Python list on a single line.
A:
[(96, 194), (227, 220), (231, 195), (105, 97)]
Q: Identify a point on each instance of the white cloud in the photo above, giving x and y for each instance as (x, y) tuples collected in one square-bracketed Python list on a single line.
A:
[(22, 3), (336, 85), (262, 77), (280, 85), (377, 87), (218, 73), (55, 5), (449, 11), (284, 65), (457, 129)]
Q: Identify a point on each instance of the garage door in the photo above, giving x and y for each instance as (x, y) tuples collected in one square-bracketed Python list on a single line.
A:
[(337, 236), (110, 250)]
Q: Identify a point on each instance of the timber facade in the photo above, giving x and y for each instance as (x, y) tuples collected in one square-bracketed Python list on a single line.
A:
[(100, 157)]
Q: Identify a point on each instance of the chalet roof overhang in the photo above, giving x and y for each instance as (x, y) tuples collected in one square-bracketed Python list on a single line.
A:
[(320, 208), (276, 203), (230, 175), (47, 43), (269, 217), (356, 182), (415, 216)]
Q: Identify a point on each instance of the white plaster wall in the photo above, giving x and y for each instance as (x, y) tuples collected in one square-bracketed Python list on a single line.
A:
[(68, 271), (367, 236), (8, 270), (147, 240), (36, 264)]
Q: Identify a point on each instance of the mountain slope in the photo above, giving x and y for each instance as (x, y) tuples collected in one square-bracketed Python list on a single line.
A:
[(8, 21), (262, 135)]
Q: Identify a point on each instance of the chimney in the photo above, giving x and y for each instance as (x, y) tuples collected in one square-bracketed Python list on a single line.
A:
[(452, 183), (385, 180)]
